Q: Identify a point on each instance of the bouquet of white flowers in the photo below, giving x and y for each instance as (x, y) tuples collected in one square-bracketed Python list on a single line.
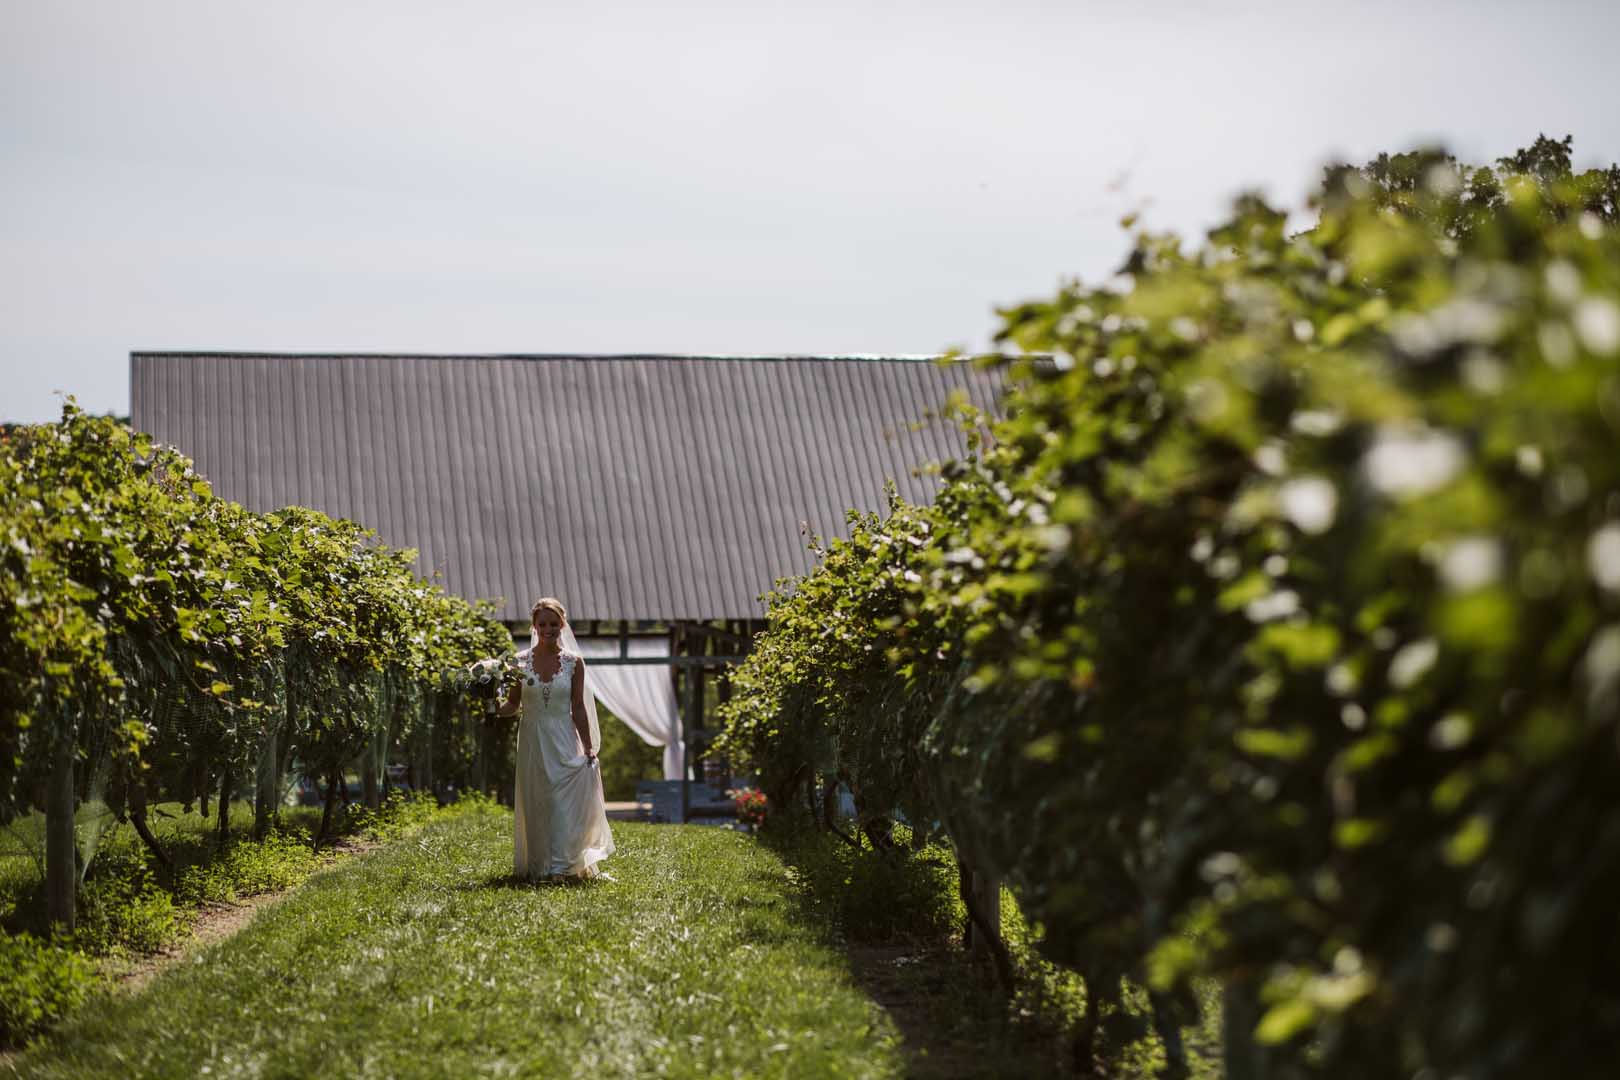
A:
[(487, 679)]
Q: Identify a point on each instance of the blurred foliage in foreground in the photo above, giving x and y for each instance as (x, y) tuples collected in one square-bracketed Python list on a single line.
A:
[(1275, 634)]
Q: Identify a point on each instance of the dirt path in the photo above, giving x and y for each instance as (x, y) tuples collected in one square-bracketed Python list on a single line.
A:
[(215, 922), (911, 983), (951, 1017)]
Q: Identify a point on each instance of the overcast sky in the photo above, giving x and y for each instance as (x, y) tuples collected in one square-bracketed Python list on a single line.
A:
[(744, 178)]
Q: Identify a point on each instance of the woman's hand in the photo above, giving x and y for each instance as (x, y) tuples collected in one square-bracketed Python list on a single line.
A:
[(510, 701)]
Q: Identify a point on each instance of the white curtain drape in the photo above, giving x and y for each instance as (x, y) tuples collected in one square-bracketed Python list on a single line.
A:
[(642, 695)]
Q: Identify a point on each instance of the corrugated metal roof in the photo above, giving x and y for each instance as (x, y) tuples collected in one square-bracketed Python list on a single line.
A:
[(634, 487)]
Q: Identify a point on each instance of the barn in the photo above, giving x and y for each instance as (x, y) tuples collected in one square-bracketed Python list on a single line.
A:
[(658, 495)]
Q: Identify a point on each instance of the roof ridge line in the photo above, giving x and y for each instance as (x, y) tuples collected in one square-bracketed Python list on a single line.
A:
[(336, 355)]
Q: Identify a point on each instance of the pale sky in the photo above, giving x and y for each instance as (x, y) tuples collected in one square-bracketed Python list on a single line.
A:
[(758, 177)]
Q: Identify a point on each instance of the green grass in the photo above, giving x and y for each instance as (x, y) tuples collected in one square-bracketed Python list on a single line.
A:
[(425, 959), (129, 904), (900, 915)]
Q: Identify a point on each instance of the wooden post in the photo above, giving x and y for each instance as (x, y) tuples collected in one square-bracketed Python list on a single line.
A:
[(1245, 1059), (227, 781), (199, 784), (284, 746), (266, 786), (333, 783), (981, 895), (1169, 1031), (368, 770), (987, 897), (681, 646), (386, 737), (700, 678), (723, 688), (424, 772), (61, 854)]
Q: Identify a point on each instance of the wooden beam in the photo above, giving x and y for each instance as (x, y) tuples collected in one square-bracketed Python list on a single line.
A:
[(711, 633), (672, 661)]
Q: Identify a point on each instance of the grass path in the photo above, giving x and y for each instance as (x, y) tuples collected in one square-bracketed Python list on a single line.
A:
[(424, 959)]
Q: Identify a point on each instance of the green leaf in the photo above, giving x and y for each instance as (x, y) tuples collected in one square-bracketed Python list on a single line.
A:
[(1044, 748), (1284, 1020), (1300, 645), (1469, 842), (1248, 588), (1353, 833), (1272, 742)]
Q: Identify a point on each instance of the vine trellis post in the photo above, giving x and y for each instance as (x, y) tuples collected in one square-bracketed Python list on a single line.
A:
[(61, 871)]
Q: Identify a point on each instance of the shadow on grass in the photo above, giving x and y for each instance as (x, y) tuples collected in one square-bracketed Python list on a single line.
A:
[(896, 917), (516, 883)]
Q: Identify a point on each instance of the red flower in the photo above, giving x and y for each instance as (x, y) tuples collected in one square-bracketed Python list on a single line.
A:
[(751, 805)]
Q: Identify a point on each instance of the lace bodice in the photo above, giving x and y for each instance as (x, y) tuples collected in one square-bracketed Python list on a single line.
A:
[(563, 680)]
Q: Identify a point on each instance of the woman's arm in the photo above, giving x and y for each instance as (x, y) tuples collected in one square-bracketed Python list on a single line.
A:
[(582, 723)]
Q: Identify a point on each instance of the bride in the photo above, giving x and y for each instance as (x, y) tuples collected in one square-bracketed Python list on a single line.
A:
[(561, 828)]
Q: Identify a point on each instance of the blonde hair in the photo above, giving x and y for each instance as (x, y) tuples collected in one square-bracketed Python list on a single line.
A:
[(551, 604)]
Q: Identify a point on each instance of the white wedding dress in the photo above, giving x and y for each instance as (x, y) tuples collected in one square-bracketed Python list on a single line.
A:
[(561, 820)]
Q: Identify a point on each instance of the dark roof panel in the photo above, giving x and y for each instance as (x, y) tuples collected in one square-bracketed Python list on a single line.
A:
[(634, 487)]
